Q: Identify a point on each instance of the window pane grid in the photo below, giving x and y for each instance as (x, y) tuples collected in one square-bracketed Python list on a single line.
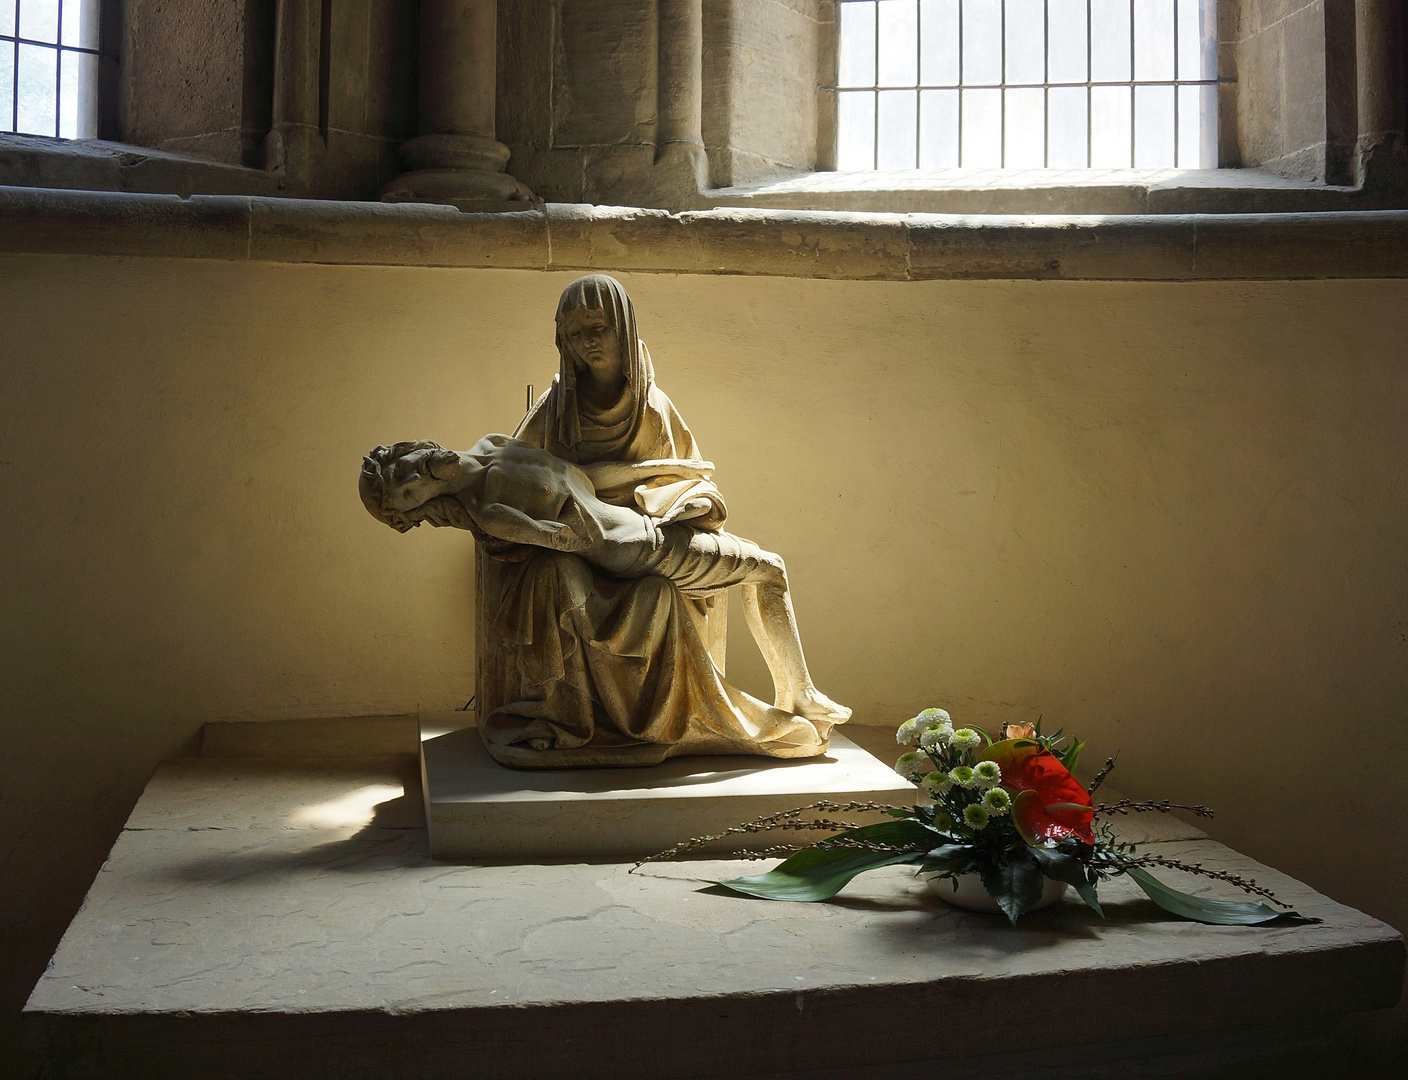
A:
[(1143, 72), (49, 55)]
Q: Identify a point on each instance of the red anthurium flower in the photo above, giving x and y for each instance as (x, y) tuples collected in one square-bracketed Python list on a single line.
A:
[(1050, 804)]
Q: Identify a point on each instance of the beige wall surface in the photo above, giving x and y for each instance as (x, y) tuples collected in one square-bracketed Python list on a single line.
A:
[(1170, 517)]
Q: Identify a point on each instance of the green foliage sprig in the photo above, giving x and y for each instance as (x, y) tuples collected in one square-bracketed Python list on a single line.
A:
[(1006, 809)]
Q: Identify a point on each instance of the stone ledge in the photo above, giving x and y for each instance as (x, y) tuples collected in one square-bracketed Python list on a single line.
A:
[(783, 243)]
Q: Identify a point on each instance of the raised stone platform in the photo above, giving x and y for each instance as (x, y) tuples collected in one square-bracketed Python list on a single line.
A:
[(477, 808), (283, 918)]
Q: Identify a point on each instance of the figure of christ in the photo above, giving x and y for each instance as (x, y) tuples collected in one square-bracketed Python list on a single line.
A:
[(512, 491)]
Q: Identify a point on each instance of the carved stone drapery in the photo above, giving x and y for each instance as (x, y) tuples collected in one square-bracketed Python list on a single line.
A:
[(456, 159)]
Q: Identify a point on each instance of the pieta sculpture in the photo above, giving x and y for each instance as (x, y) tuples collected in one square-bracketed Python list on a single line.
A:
[(603, 566)]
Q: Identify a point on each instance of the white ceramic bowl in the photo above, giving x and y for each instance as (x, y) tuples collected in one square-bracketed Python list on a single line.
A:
[(971, 896)]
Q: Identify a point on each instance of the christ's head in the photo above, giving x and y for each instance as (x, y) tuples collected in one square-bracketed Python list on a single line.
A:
[(402, 477)]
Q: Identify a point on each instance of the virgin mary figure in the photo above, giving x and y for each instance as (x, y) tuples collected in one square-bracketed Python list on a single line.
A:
[(581, 667)]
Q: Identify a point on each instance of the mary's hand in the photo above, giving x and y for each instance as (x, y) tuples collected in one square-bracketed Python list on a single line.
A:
[(563, 538), (584, 529)]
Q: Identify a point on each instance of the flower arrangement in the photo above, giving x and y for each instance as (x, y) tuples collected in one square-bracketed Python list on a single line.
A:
[(1008, 809)]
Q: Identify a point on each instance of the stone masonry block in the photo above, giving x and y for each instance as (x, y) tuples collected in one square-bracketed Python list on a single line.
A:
[(1303, 79)]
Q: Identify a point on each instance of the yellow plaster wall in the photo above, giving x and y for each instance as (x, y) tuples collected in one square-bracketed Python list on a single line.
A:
[(1171, 517)]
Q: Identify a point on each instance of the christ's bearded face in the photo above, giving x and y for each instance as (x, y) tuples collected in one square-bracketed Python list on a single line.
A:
[(596, 344), (412, 482)]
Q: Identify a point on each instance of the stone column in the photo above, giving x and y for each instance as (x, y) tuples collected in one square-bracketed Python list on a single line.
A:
[(294, 142), (456, 159), (1380, 76), (681, 88), (681, 168)]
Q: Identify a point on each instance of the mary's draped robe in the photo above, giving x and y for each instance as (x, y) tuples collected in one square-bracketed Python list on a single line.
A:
[(577, 668)]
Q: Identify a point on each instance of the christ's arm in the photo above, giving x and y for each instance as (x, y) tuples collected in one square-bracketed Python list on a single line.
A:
[(507, 523)]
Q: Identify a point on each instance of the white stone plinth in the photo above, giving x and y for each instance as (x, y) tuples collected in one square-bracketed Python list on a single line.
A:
[(478, 809)]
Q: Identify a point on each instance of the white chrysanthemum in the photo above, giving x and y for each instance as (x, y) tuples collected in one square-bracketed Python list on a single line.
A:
[(965, 739), (962, 776), (997, 802), (936, 736), (975, 817), (987, 773), (912, 728), (942, 819), (910, 765), (907, 731), (937, 783)]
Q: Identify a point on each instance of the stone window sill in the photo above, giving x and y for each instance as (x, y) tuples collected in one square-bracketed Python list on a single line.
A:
[(781, 243), (1047, 191), (37, 161), (96, 165)]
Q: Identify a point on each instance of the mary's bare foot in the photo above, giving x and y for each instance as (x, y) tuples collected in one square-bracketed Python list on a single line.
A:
[(818, 708)]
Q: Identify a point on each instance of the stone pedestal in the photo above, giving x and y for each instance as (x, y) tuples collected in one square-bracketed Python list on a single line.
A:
[(456, 159), (478, 809)]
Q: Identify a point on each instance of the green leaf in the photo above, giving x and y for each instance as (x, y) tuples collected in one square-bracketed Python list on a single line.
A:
[(819, 873), (947, 859), (1015, 884), (1217, 912), (1062, 866), (1070, 756), (814, 874), (1086, 892)]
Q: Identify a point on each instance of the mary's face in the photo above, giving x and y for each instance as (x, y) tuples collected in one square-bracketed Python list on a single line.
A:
[(595, 343)]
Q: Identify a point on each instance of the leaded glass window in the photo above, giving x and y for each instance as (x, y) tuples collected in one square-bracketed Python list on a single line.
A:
[(49, 67), (1019, 84)]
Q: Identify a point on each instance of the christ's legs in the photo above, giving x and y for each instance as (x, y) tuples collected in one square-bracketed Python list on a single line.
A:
[(767, 605), (702, 563)]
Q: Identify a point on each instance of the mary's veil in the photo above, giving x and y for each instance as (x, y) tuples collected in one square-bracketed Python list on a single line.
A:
[(598, 292)]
